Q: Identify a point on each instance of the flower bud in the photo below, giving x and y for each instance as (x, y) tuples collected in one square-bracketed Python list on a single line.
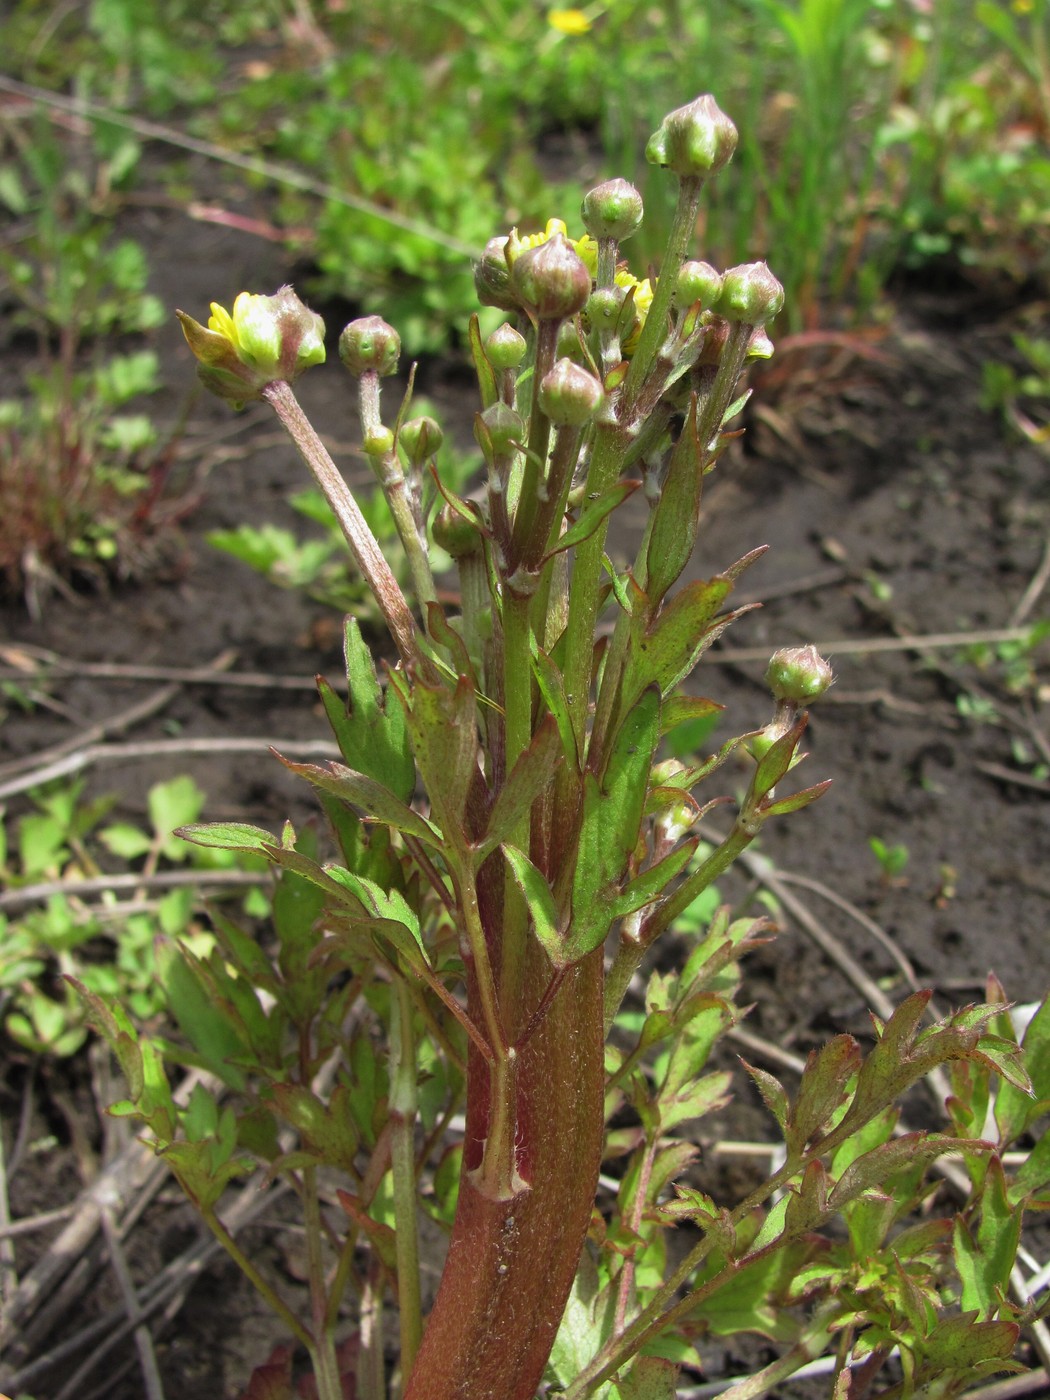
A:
[(569, 395), (612, 210), (697, 282), (454, 533), (421, 438), (798, 675), (750, 293), (603, 308), (551, 280), (695, 140), (369, 343), (378, 442), (264, 339), (492, 277), (498, 431), (505, 347)]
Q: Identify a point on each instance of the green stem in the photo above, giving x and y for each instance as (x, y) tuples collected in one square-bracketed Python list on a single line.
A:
[(683, 230), (362, 542), (517, 707), (535, 465), (609, 444), (391, 477), (246, 1267), (403, 1165), (322, 1347)]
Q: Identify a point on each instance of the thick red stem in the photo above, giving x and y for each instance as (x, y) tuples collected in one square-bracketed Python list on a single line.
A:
[(511, 1263)]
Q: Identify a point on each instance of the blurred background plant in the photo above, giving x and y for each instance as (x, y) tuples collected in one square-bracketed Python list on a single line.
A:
[(879, 136), (62, 914), (81, 469), (383, 144)]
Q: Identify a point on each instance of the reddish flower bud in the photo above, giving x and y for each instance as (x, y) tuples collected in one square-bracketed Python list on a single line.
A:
[(695, 140), (369, 343), (551, 280), (570, 396), (750, 293), (799, 675)]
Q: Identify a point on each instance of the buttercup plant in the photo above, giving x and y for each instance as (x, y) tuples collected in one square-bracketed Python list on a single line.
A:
[(511, 845)]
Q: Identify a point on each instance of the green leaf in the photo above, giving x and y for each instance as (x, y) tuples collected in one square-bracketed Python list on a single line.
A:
[(674, 522), (124, 840), (664, 652), (650, 1378), (206, 1026), (370, 729), (592, 516), (177, 802), (542, 908), (529, 777), (873, 1169), (229, 836), (774, 1095), (368, 794), (1014, 1108), (985, 1262), (822, 1089)]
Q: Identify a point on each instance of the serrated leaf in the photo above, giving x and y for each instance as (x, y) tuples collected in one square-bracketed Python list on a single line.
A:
[(774, 1095), (375, 800), (822, 1089)]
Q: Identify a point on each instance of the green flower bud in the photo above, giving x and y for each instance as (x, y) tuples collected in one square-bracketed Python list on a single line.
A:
[(492, 277), (798, 675), (264, 339), (603, 308), (612, 210), (455, 534), (551, 280), (421, 438), (697, 282), (505, 347), (570, 396), (695, 140), (369, 343), (379, 442), (498, 431), (750, 293), (569, 346)]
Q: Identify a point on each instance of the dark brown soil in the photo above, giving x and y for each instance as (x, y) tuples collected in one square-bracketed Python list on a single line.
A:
[(891, 503)]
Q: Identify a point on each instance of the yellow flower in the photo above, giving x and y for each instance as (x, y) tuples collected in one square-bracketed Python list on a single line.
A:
[(572, 22), (263, 339), (643, 300)]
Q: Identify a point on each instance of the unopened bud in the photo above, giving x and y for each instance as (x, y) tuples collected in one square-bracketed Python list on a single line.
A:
[(697, 282), (492, 277), (695, 140), (612, 210), (369, 343), (603, 307), (421, 438), (750, 293), (455, 534), (569, 395), (498, 430), (799, 675), (551, 280), (505, 347)]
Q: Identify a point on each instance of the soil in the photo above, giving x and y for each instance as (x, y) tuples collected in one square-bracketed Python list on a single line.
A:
[(892, 505)]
